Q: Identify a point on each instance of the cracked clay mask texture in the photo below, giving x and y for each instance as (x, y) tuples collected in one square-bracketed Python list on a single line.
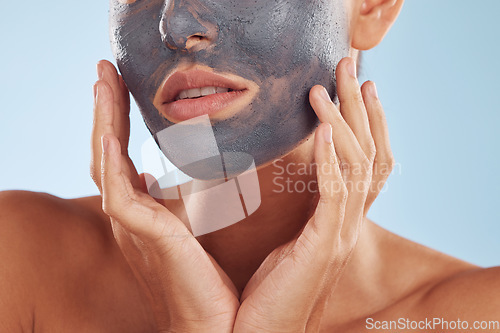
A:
[(284, 46)]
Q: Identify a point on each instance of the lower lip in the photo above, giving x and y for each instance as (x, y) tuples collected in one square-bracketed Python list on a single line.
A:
[(185, 109)]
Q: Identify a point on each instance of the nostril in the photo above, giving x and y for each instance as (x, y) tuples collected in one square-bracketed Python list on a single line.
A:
[(183, 29), (195, 40)]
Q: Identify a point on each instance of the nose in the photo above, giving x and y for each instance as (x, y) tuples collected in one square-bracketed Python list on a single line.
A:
[(183, 28)]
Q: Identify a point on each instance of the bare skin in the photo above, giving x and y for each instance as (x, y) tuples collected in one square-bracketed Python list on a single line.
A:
[(67, 274), (66, 271), (111, 265)]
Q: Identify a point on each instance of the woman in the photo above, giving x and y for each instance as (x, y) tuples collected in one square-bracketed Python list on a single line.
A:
[(306, 261)]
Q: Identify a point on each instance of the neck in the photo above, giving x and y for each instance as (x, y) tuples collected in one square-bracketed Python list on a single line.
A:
[(288, 199)]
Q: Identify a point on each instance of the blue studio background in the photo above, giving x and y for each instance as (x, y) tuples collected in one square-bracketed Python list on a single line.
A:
[(437, 74)]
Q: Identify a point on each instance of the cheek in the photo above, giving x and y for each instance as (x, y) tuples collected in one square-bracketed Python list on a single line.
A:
[(283, 46), (136, 42), (134, 28), (295, 32), (142, 58)]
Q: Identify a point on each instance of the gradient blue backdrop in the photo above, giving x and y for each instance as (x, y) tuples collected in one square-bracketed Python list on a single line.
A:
[(436, 72)]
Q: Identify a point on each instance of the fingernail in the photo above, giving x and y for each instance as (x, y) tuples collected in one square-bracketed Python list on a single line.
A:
[(99, 71), (325, 95), (328, 133), (104, 144), (351, 68), (373, 90)]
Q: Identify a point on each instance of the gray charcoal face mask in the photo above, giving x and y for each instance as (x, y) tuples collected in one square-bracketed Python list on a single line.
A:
[(284, 47)]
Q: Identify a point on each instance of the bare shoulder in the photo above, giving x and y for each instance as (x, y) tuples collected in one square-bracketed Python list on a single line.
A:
[(40, 222), (23, 206), (59, 260), (451, 288), (439, 286), (473, 294), (412, 267)]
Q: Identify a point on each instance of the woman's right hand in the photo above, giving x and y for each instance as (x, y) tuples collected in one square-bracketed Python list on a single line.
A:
[(188, 290)]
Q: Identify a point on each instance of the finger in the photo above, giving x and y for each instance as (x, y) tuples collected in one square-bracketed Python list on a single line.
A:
[(352, 106), (329, 215), (142, 217), (356, 168), (346, 145), (354, 214), (384, 159), (125, 94), (102, 124), (321, 235), (225, 278), (121, 121)]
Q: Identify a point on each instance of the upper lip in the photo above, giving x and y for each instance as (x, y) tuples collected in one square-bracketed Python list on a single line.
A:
[(191, 79)]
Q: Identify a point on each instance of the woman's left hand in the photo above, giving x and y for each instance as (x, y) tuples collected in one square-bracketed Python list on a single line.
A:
[(290, 290)]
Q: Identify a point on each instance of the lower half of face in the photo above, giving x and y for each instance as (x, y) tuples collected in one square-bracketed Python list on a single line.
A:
[(283, 47)]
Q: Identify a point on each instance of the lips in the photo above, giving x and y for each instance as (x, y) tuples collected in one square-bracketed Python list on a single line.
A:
[(195, 92)]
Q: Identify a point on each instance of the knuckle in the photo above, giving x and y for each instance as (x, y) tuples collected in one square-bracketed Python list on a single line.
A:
[(346, 252), (103, 173), (378, 115), (349, 241), (341, 196), (359, 161), (95, 172), (350, 244), (112, 206), (333, 193), (390, 159), (354, 98), (107, 207), (371, 151), (95, 177), (391, 162), (366, 164), (325, 199), (385, 163), (92, 169), (385, 155)]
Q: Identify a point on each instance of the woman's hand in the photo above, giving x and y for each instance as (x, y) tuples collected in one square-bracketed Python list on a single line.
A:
[(290, 290), (188, 290)]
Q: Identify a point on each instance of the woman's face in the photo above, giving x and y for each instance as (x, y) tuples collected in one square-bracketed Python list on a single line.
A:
[(269, 52)]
